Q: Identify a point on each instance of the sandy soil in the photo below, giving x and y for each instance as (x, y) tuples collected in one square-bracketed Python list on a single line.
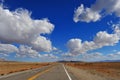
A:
[(81, 74), (95, 71)]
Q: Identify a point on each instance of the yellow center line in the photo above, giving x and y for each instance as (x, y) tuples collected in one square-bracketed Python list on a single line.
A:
[(38, 74)]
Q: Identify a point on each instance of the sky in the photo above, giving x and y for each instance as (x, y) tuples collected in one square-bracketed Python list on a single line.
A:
[(52, 30)]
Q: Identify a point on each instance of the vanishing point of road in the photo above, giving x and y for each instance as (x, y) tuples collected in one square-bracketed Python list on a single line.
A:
[(53, 72)]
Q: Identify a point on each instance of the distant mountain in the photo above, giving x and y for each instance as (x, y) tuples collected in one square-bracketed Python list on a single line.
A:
[(63, 61), (110, 61), (1, 59), (70, 61)]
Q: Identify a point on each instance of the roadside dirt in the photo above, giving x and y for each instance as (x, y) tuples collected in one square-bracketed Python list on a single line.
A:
[(11, 67), (95, 71), (81, 74)]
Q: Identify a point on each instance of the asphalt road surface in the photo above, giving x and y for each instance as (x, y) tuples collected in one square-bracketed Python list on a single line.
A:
[(53, 72)]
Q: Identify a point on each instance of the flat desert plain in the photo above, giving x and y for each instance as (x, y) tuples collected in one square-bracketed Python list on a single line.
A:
[(7, 67), (95, 70)]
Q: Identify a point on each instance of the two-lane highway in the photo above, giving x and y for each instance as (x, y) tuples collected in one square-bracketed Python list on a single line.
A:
[(54, 72)]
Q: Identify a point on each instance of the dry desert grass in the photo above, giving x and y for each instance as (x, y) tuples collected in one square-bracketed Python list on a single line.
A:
[(110, 69), (11, 67)]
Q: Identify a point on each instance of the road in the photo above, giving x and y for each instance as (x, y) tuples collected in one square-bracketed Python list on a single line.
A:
[(53, 72)]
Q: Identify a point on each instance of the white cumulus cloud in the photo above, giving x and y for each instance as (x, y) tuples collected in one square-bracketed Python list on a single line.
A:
[(25, 51), (18, 27), (22, 51), (6, 49), (49, 56), (93, 56), (86, 15), (102, 38), (97, 10)]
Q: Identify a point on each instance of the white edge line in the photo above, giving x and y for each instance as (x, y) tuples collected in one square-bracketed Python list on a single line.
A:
[(67, 73)]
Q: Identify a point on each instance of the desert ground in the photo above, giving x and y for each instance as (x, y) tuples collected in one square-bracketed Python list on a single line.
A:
[(95, 70), (77, 70), (7, 67)]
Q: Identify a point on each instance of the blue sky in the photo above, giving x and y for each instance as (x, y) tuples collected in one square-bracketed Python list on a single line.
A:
[(60, 31)]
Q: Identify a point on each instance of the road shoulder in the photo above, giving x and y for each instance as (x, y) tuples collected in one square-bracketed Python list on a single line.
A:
[(86, 75)]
